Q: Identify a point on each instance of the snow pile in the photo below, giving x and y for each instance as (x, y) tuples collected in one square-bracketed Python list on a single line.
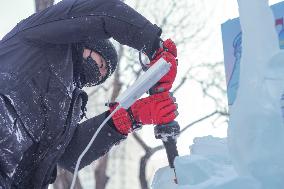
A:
[(253, 156)]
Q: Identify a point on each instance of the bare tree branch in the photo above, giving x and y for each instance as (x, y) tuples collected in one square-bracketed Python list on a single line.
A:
[(141, 142), (199, 120), (182, 82), (166, 16)]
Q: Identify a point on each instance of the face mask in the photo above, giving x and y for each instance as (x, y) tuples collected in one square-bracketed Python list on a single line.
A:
[(90, 74)]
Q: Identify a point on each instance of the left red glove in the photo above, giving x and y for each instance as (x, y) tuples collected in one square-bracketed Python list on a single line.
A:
[(168, 52), (156, 109)]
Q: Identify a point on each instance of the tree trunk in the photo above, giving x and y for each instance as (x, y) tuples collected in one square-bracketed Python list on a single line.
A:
[(142, 171), (43, 4), (64, 180), (100, 173)]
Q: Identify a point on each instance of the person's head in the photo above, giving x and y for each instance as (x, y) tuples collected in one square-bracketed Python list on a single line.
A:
[(99, 62)]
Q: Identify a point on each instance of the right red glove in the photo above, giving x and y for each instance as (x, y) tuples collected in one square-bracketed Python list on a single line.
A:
[(168, 52), (156, 109)]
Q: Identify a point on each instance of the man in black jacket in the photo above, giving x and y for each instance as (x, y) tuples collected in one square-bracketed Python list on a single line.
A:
[(44, 63)]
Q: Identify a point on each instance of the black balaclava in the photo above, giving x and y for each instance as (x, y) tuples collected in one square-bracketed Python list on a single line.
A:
[(89, 70)]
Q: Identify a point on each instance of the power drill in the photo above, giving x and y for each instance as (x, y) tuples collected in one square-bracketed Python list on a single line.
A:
[(169, 132)]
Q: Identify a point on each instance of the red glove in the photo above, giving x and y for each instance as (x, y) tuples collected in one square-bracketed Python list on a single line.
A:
[(168, 52), (156, 109)]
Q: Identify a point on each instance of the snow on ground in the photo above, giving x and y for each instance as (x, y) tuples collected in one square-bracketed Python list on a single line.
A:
[(252, 156)]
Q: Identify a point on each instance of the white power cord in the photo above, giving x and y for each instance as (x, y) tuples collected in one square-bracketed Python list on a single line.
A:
[(89, 145)]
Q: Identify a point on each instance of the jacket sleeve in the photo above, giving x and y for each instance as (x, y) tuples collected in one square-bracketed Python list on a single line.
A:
[(106, 139), (72, 21)]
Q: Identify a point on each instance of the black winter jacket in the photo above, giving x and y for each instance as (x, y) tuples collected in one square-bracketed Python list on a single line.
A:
[(40, 105)]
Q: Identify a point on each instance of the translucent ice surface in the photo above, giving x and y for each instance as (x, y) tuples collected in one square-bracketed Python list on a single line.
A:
[(256, 131)]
